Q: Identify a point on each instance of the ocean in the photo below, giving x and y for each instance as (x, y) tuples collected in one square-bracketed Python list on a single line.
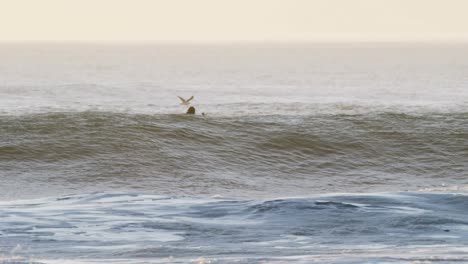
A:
[(306, 153)]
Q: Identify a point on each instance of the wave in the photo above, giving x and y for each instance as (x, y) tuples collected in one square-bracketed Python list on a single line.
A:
[(142, 226), (92, 133), (328, 153)]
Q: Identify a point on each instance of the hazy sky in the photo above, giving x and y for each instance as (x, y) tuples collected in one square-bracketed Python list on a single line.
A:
[(234, 20)]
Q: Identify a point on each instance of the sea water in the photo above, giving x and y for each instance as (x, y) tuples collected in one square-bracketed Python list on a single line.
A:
[(324, 153)]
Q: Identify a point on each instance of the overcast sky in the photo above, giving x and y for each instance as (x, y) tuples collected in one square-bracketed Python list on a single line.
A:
[(233, 20)]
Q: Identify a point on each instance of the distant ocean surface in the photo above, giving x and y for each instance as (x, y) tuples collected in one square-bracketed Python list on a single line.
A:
[(337, 153)]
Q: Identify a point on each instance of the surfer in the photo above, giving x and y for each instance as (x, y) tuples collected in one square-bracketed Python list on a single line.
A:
[(191, 111)]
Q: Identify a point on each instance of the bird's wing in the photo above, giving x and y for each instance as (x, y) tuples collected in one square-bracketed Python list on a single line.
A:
[(190, 99), (182, 99)]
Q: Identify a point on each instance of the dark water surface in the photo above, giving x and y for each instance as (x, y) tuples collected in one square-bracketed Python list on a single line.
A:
[(249, 156)]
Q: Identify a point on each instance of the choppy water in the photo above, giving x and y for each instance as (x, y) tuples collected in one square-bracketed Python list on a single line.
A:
[(396, 228), (98, 165)]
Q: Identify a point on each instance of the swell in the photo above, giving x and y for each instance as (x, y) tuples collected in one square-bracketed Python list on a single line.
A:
[(59, 136), (368, 149)]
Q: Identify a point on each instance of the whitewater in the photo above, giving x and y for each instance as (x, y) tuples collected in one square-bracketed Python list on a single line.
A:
[(337, 153)]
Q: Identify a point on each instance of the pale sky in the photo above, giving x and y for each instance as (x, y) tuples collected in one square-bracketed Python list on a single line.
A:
[(233, 20)]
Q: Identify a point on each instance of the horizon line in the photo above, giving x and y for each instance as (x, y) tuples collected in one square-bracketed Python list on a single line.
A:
[(239, 42)]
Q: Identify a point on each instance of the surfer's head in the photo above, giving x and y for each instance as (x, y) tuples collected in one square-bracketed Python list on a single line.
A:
[(191, 110)]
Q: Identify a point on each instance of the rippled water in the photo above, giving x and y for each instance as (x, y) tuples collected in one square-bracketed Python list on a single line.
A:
[(98, 163), (244, 156)]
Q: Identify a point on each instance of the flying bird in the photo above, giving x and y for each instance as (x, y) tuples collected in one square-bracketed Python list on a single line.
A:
[(185, 102)]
